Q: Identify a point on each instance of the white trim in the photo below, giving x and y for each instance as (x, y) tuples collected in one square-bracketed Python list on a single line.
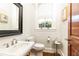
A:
[(48, 49)]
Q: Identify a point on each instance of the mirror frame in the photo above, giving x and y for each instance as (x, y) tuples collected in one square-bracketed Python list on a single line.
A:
[(20, 20)]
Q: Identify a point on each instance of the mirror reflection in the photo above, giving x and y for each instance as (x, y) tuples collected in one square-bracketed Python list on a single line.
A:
[(8, 16)]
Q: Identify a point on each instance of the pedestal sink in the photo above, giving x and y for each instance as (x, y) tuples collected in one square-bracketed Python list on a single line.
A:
[(19, 49)]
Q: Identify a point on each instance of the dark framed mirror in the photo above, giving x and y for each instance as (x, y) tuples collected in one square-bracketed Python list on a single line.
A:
[(11, 18)]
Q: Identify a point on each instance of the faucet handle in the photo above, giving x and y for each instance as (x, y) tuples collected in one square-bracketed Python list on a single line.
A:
[(6, 45), (12, 42), (15, 41)]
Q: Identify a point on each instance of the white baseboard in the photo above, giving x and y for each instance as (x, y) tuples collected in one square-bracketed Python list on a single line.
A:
[(49, 49)]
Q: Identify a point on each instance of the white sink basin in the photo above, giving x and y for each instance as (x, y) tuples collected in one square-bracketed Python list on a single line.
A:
[(20, 45), (19, 49)]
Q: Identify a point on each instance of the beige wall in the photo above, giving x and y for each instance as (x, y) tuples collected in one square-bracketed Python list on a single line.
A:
[(60, 33), (28, 16), (41, 35)]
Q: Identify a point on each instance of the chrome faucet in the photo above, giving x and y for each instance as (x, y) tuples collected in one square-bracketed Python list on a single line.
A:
[(14, 41)]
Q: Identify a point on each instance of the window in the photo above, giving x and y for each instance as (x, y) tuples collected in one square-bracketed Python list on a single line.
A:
[(44, 16)]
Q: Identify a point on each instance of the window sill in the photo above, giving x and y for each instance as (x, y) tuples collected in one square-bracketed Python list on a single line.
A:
[(45, 29)]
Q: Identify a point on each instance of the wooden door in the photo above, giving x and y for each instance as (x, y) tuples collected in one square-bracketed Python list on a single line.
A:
[(73, 30)]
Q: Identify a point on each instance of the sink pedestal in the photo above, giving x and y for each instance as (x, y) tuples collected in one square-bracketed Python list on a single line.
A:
[(36, 53)]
